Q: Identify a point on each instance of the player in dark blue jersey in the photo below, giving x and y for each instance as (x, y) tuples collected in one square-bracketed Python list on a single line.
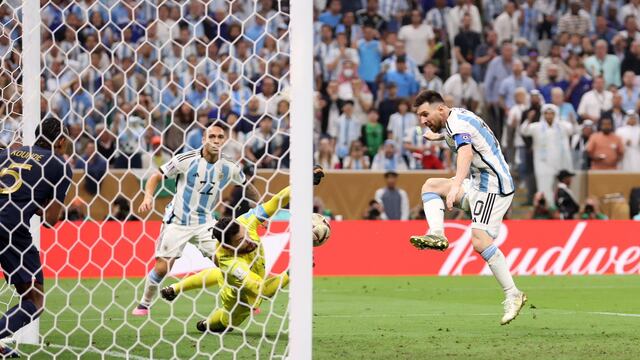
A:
[(33, 180)]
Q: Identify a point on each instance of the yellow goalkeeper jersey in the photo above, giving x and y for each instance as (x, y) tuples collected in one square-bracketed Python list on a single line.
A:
[(237, 266)]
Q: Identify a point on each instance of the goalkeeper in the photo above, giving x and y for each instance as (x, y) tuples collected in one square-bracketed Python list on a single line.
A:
[(241, 268)]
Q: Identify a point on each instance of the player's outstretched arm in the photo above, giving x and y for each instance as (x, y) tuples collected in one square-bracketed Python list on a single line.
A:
[(465, 156), (149, 190)]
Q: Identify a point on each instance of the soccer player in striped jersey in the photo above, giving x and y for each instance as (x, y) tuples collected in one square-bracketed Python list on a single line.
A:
[(201, 176), (488, 195)]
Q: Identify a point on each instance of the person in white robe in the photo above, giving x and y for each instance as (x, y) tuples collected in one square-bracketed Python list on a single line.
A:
[(551, 153), (630, 134)]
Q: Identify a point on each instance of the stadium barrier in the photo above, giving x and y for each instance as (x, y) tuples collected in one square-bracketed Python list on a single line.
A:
[(362, 248)]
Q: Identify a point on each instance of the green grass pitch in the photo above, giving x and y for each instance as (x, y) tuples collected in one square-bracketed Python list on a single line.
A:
[(591, 317)]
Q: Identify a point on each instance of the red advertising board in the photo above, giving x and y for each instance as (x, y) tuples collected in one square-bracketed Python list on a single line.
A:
[(370, 248)]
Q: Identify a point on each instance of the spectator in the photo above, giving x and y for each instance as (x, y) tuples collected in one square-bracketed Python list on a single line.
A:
[(394, 201), (356, 160), (325, 156), (630, 32), (357, 91), (631, 60), (399, 50), (567, 113), (333, 14), (269, 97), (616, 113), (348, 129), (550, 141), (263, 147), (121, 210), (515, 80), (579, 84), (605, 148), (491, 9), (370, 15), (437, 19), (466, 42), (247, 122), (388, 158), (131, 143), (512, 141), (456, 18), (340, 55), (374, 211), (322, 50), (579, 145), (389, 104), (400, 124), (373, 134), (350, 28), (402, 78), (596, 101), (566, 202), (330, 106), (554, 59), (630, 136), (604, 64), (630, 91), (632, 8), (574, 22), (94, 166), (499, 69), (106, 144), (530, 21), (542, 210), (602, 30), (463, 88), (591, 211), (506, 24), (234, 146), (483, 55), (430, 81), (370, 51), (552, 82), (418, 38)]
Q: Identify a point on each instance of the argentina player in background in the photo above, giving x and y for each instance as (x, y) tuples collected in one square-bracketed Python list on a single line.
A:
[(488, 195), (33, 180), (201, 176)]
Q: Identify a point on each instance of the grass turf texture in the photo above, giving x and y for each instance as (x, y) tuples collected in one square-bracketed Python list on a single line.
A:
[(362, 318)]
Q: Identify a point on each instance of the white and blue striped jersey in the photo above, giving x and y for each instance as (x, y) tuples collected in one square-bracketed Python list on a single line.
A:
[(489, 170), (198, 186)]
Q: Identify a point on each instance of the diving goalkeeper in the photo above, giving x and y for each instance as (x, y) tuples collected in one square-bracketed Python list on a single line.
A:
[(241, 268)]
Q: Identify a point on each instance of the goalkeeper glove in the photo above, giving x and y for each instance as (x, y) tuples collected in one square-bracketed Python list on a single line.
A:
[(318, 174)]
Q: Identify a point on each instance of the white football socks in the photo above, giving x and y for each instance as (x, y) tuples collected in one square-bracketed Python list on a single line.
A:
[(434, 212), (498, 265), (151, 285)]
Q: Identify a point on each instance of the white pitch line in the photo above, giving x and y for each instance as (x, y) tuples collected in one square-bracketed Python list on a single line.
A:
[(115, 354), (613, 314)]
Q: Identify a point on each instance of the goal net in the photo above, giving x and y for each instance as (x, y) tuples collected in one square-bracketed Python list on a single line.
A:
[(137, 83)]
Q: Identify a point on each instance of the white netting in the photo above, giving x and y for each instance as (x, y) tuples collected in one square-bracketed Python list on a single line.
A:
[(137, 82)]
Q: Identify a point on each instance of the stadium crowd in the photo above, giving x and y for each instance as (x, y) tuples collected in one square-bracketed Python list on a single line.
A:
[(136, 81)]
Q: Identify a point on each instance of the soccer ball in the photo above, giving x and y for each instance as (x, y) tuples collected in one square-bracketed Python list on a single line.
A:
[(321, 229)]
